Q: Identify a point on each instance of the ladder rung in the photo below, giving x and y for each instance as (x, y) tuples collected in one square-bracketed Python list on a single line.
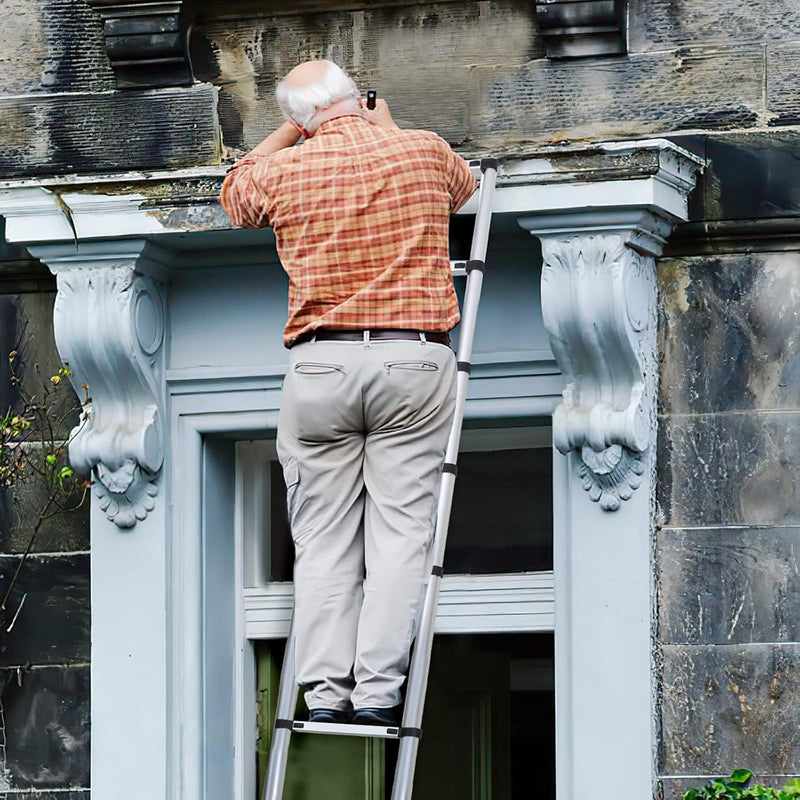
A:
[(375, 731)]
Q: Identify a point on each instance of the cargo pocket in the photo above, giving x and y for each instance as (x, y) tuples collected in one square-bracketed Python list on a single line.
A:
[(413, 366), (296, 499)]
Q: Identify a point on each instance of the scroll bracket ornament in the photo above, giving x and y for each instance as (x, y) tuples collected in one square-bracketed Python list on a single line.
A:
[(109, 321), (599, 308)]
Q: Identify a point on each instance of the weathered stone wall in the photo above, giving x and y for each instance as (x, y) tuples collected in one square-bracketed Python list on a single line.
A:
[(60, 111), (44, 658), (476, 71), (728, 544)]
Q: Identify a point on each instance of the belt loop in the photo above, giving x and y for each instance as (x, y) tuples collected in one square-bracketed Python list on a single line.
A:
[(313, 338), (422, 337), (366, 338)]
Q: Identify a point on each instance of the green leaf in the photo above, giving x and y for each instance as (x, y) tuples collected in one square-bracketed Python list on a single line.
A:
[(690, 795), (740, 776), (65, 472), (50, 458)]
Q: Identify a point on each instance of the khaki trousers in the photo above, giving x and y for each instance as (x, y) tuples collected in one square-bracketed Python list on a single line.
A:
[(362, 434)]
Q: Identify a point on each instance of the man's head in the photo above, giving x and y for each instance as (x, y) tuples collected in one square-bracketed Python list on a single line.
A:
[(315, 91)]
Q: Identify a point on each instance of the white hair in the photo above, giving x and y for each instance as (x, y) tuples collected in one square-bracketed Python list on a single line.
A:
[(302, 105)]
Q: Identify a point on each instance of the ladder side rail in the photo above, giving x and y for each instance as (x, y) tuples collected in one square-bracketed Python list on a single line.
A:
[(420, 662), (282, 732)]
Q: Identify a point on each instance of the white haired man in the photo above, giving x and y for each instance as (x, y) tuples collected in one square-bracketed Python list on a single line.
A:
[(360, 213)]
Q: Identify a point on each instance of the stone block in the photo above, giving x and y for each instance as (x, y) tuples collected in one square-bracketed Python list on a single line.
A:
[(418, 57), (52, 45), (19, 511), (729, 469), (53, 623), (108, 131), (640, 95), (725, 707), (783, 97), (718, 586), (47, 731), (656, 25), (729, 338)]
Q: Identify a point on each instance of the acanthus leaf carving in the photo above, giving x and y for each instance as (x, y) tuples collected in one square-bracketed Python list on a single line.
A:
[(109, 326), (599, 304)]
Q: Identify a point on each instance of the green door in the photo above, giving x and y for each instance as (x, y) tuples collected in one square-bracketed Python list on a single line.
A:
[(464, 754)]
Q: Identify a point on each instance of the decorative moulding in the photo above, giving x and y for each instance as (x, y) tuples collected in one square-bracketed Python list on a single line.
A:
[(109, 321), (146, 43), (599, 308), (576, 28), (599, 305)]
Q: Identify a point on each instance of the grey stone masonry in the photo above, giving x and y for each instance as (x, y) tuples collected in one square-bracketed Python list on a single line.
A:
[(44, 657), (728, 543)]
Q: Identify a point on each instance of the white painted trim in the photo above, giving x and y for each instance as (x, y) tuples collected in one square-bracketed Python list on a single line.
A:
[(537, 185), (511, 603)]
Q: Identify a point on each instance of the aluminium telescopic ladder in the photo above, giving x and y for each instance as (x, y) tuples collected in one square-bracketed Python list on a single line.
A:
[(409, 731)]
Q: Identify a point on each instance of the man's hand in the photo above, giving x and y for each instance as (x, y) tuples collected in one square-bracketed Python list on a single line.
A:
[(380, 114), (285, 136)]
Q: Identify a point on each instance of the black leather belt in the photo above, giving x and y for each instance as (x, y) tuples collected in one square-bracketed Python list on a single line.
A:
[(375, 334)]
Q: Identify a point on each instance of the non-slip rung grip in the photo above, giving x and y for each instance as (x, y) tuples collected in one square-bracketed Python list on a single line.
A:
[(437, 571), (464, 366), (450, 467), (474, 264), (284, 723), (415, 732)]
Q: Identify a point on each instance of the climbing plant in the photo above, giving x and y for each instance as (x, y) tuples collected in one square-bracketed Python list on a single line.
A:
[(33, 449), (737, 787)]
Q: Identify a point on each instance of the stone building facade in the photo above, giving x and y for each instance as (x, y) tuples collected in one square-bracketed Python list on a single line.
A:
[(652, 595)]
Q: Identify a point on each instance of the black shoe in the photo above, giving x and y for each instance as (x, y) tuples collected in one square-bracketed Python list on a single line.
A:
[(329, 715), (376, 716)]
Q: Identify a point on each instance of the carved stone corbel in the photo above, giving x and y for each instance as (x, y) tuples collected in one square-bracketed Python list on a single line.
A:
[(109, 321), (599, 308)]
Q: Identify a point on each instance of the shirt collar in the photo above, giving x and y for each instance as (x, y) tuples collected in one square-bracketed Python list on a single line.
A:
[(337, 123)]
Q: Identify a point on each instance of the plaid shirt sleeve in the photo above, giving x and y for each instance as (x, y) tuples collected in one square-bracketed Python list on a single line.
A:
[(243, 194), (460, 182)]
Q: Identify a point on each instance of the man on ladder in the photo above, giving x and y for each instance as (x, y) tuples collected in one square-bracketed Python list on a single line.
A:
[(360, 213)]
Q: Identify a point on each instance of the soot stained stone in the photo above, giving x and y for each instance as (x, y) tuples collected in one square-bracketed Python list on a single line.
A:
[(53, 621), (19, 509), (729, 338), (729, 585), (728, 706), (49, 716), (731, 469)]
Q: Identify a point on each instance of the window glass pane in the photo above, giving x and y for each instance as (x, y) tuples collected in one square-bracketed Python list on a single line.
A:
[(489, 727), (502, 517), (501, 521)]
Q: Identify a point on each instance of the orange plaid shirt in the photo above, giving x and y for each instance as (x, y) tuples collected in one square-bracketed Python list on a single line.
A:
[(361, 216)]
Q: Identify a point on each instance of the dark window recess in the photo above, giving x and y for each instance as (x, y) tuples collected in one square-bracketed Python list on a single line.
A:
[(489, 727), (502, 517), (281, 554)]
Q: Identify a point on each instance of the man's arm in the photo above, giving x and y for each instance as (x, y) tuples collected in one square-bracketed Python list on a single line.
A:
[(460, 182), (242, 195)]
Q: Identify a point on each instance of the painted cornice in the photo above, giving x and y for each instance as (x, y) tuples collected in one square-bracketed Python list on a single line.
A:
[(655, 174)]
